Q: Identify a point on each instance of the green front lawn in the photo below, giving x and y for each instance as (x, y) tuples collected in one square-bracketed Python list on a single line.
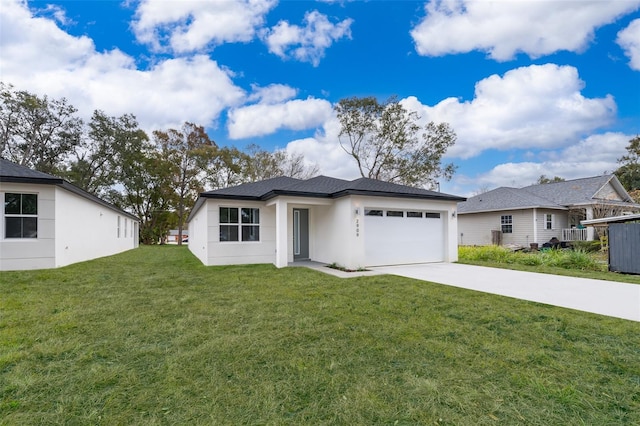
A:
[(153, 337)]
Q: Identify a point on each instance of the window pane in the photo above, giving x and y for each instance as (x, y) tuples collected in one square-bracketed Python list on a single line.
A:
[(373, 212), (414, 214), (395, 213), (250, 233), (12, 203), (13, 227), (228, 233), (29, 204), (228, 215), (432, 215), (29, 227), (250, 215)]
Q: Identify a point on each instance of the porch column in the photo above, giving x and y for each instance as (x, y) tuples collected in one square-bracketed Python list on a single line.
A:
[(281, 234), (590, 229)]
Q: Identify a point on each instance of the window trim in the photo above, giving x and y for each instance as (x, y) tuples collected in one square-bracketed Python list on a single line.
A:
[(20, 215), (506, 224), (239, 224), (549, 221)]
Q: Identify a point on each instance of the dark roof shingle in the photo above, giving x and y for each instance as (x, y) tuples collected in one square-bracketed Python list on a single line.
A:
[(323, 186)]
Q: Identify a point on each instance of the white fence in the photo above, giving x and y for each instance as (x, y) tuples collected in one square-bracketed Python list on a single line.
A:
[(574, 234)]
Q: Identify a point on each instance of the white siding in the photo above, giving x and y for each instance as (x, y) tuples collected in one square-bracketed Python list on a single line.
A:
[(87, 230), (70, 229), (30, 253), (198, 237), (334, 239), (560, 221), (475, 228), (240, 252)]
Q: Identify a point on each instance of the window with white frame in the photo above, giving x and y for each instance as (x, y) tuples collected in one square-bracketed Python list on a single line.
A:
[(506, 224), (118, 228), (548, 221), (20, 215), (239, 224)]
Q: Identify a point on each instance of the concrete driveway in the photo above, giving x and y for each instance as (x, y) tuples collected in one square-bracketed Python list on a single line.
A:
[(609, 298)]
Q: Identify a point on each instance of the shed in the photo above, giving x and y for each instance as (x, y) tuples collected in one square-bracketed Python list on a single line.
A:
[(624, 242)]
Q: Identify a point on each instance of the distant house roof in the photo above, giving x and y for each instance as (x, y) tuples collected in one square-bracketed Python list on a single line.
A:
[(320, 187), (557, 195), (15, 173)]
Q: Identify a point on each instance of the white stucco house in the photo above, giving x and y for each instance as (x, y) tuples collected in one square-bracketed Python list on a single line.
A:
[(48, 223), (537, 213), (355, 224)]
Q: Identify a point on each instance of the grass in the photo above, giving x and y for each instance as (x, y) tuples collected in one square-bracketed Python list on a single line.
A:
[(576, 263), (153, 337)]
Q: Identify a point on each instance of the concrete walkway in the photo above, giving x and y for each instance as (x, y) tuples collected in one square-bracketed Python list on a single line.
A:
[(609, 298)]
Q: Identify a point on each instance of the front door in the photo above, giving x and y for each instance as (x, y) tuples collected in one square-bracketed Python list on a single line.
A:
[(300, 234)]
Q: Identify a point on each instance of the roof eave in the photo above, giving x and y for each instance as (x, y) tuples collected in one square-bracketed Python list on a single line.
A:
[(504, 209), (362, 192), (32, 180)]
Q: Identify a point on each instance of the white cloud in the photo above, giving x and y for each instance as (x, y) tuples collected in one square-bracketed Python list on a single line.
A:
[(592, 156), (188, 26), (39, 57), (539, 106), (308, 43), (272, 94), (505, 28), (629, 40), (266, 118)]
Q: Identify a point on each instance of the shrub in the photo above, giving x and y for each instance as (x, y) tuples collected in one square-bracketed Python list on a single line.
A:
[(566, 259), (587, 246)]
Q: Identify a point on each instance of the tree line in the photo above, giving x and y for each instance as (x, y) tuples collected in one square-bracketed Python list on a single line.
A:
[(158, 177)]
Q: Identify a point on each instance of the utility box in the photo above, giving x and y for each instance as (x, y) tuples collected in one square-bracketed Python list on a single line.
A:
[(624, 248)]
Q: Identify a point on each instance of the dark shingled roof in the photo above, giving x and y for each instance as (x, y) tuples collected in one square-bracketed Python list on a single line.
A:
[(323, 187), (557, 195), (318, 187), (14, 173)]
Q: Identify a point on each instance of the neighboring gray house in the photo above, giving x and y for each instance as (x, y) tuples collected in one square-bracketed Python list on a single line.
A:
[(357, 223), (48, 223), (537, 213)]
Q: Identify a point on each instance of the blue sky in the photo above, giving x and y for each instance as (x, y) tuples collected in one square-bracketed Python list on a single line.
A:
[(530, 87)]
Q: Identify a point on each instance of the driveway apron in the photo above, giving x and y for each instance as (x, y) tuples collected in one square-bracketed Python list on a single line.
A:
[(620, 300)]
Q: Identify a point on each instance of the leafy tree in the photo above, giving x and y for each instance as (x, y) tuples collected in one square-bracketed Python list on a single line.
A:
[(37, 132), (387, 143), (97, 165), (147, 192), (187, 152), (226, 168), (544, 180), (258, 164), (629, 171)]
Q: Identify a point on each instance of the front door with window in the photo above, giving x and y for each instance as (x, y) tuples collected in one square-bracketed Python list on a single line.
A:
[(300, 234)]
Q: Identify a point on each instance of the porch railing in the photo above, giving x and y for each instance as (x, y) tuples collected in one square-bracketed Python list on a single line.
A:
[(574, 234)]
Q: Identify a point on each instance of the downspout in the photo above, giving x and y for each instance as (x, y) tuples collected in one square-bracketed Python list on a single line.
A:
[(535, 225)]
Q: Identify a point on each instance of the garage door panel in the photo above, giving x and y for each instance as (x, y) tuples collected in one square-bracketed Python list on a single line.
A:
[(398, 240)]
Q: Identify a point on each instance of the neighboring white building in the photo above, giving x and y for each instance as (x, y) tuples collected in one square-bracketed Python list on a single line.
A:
[(48, 223), (355, 224)]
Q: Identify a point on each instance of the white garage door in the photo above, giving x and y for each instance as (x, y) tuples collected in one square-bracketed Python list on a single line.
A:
[(395, 237)]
